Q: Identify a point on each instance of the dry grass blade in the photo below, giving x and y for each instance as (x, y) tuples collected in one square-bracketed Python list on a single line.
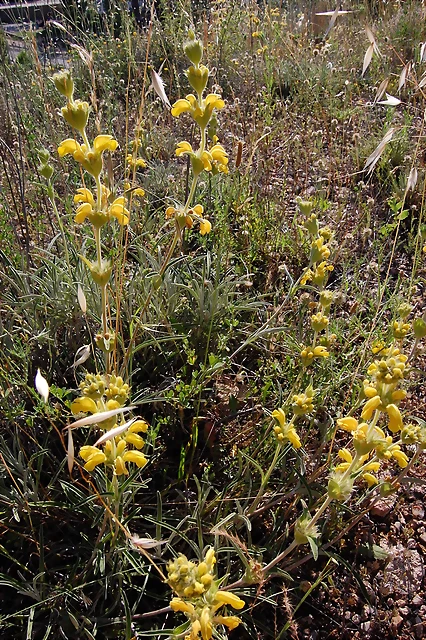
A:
[(381, 90), (422, 54), (367, 58), (84, 55), (158, 86), (70, 451), (81, 299), (98, 417), (412, 179), (404, 75), (112, 433), (390, 101), (332, 21), (372, 160), (422, 82)]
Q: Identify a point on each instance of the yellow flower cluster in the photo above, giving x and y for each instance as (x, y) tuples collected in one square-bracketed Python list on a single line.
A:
[(187, 219), (317, 273), (285, 431), (302, 403), (89, 156), (211, 156), (102, 393), (308, 354), (214, 159), (371, 444), (100, 212), (199, 597), (115, 453)]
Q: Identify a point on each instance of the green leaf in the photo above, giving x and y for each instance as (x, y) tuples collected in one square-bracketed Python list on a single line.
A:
[(314, 547), (379, 553)]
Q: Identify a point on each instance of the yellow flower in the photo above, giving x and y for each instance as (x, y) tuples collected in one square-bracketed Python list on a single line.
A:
[(400, 457), (93, 456), (200, 111), (231, 622), (370, 407), (177, 604), (88, 208), (345, 455), (84, 405), (370, 479), (226, 597), (220, 158), (205, 227), (117, 210), (89, 158), (395, 418), (309, 353), (187, 219), (206, 626), (184, 105), (115, 456), (372, 466), (285, 432), (138, 163), (348, 423)]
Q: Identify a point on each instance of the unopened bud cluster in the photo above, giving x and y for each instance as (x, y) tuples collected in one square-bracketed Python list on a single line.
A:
[(199, 597)]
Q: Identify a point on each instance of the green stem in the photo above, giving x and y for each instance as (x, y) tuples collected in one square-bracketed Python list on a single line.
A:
[(191, 194), (86, 139), (51, 195), (265, 479)]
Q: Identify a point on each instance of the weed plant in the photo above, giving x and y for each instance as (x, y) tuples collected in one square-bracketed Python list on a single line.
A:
[(212, 320)]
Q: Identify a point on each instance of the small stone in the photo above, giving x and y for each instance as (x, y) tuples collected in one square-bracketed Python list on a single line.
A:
[(383, 507), (365, 626), (356, 619), (417, 601), (386, 589), (396, 621), (411, 543), (423, 538), (418, 628), (404, 611), (418, 511), (347, 615)]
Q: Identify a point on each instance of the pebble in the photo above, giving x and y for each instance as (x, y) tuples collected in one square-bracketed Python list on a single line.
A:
[(397, 621), (417, 601), (383, 507), (365, 626), (423, 538), (404, 611), (356, 619), (418, 627)]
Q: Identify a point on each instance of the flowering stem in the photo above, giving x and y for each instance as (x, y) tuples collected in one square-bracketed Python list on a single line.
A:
[(85, 139), (265, 480), (51, 195), (191, 194), (279, 557)]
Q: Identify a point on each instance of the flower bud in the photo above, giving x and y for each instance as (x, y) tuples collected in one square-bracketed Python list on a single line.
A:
[(100, 273), (305, 207), (105, 343), (339, 488), (404, 310), (64, 83), (76, 114), (419, 328), (304, 529), (198, 78), (193, 49), (45, 170)]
